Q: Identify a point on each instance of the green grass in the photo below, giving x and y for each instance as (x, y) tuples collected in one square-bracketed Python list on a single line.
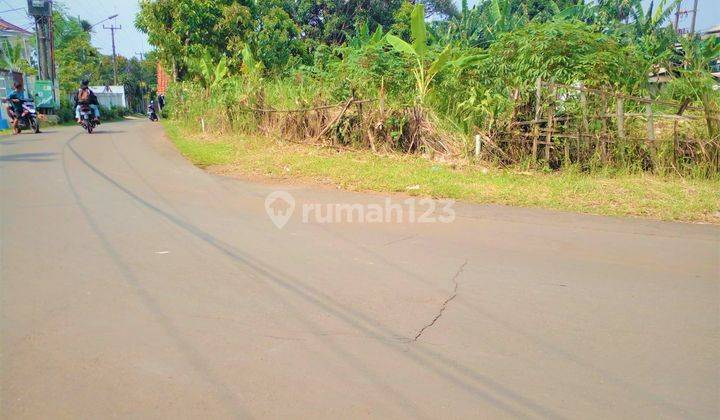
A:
[(644, 195)]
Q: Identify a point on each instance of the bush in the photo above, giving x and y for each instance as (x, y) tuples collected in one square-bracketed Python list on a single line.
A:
[(566, 52), (472, 90), (112, 113), (66, 112)]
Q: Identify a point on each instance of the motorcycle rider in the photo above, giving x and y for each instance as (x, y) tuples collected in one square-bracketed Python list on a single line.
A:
[(85, 96), (151, 111), (16, 98)]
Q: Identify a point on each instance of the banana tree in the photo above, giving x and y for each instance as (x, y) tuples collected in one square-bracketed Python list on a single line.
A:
[(251, 66), (654, 19), (209, 73), (11, 57), (418, 50), (364, 37), (696, 82)]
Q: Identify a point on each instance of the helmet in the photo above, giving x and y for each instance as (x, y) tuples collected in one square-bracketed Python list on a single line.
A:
[(85, 83)]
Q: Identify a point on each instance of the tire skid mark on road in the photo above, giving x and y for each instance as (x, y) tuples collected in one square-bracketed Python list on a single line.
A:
[(351, 360), (191, 355), (462, 376)]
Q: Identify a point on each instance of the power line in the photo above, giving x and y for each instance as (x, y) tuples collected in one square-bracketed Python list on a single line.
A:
[(683, 13), (13, 10)]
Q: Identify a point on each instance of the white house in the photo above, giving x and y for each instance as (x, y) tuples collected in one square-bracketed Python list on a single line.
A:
[(110, 96)]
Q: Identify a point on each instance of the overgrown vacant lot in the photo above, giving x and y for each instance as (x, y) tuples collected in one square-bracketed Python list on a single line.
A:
[(616, 194)]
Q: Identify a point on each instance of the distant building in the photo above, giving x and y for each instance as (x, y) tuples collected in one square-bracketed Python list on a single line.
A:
[(714, 31), (110, 96)]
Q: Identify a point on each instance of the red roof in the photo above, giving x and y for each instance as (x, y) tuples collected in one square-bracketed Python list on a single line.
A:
[(7, 26)]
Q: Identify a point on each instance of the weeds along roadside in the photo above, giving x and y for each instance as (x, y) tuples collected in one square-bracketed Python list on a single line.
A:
[(465, 104)]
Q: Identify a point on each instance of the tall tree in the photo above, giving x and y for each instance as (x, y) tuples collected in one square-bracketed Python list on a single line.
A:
[(76, 57), (440, 8), (180, 29), (277, 38), (333, 22)]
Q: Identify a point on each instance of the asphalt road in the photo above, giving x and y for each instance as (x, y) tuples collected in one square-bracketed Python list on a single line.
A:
[(136, 285)]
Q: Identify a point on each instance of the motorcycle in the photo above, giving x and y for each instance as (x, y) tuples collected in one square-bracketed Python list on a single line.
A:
[(28, 119), (152, 115), (87, 118)]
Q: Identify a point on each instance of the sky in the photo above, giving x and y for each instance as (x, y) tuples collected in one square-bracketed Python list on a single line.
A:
[(129, 41)]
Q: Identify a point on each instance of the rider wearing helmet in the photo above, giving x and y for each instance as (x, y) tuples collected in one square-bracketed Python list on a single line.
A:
[(14, 109), (85, 96)]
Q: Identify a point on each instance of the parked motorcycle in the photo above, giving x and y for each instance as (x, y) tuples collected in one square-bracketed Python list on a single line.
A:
[(152, 115), (28, 119), (87, 118)]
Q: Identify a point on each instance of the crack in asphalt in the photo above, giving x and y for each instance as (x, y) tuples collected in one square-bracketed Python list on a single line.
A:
[(257, 270), (445, 303)]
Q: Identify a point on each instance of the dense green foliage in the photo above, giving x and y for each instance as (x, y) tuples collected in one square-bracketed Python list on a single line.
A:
[(441, 72), (77, 58), (12, 57)]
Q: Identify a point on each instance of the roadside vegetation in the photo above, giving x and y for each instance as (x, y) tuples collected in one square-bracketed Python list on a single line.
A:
[(610, 193), (467, 101)]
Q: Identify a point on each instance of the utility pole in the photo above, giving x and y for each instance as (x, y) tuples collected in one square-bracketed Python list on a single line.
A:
[(694, 18), (679, 12), (141, 84), (41, 10), (112, 29)]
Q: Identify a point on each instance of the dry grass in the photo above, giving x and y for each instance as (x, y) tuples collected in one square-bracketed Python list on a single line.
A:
[(641, 194)]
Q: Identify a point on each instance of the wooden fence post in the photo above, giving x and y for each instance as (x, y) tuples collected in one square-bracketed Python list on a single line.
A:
[(675, 141), (538, 113), (650, 122), (603, 124), (621, 118), (361, 115), (478, 146), (550, 123), (585, 130)]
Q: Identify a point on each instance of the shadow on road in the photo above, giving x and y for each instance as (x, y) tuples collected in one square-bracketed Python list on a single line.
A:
[(109, 131), (29, 157), (17, 141)]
